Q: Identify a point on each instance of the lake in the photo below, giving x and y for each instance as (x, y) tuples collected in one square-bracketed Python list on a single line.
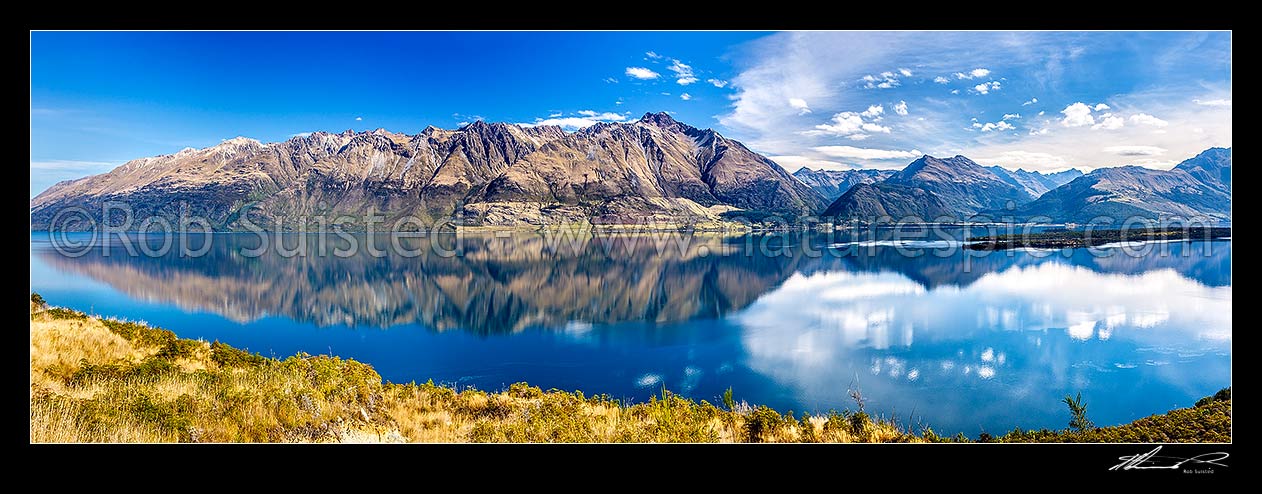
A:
[(963, 341)]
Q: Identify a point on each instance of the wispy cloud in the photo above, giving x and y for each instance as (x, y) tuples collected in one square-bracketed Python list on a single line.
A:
[(1062, 69), (867, 153), (685, 96), (978, 72), (1213, 102), (1146, 119), (800, 105), (642, 73), (987, 87), (719, 83), (301, 134), (577, 120), (1135, 150), (48, 172), (683, 72)]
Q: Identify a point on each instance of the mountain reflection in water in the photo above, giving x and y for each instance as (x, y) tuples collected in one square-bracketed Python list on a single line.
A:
[(961, 342)]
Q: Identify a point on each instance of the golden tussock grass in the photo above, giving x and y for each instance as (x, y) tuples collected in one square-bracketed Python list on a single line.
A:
[(102, 380)]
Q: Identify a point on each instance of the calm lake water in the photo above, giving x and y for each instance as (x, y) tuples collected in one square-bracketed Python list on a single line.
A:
[(950, 339)]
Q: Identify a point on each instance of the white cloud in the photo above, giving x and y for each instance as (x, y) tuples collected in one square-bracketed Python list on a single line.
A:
[(1041, 112), (796, 162), (359, 119), (979, 72), (1146, 119), (844, 123), (554, 115), (301, 134), (683, 72), (1077, 115), (1026, 159), (800, 105), (611, 116), (1010, 116), (809, 66), (1135, 150), (905, 72), (901, 108), (719, 83), (611, 80), (685, 96), (1109, 121), (884, 80), (642, 73), (871, 127), (994, 126), (866, 153), (1031, 102), (1213, 102), (581, 119), (1101, 107), (87, 167), (941, 80), (652, 55), (1039, 132), (852, 125), (987, 87), (955, 91)]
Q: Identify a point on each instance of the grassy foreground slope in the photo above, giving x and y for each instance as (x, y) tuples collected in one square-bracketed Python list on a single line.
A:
[(105, 380)]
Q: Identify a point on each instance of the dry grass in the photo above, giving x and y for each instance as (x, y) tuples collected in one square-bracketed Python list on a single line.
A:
[(95, 380), (100, 380)]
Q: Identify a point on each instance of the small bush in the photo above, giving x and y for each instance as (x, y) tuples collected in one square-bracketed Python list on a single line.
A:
[(761, 422), (1222, 395), (227, 356), (61, 313)]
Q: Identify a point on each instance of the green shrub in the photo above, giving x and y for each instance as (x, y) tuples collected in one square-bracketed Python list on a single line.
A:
[(61, 313), (227, 356), (763, 420)]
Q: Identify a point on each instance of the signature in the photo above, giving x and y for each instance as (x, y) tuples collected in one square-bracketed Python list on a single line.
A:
[(1151, 461)]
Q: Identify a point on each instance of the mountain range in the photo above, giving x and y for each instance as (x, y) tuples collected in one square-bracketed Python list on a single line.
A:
[(833, 183), (1199, 187), (1035, 183), (484, 173), (654, 168)]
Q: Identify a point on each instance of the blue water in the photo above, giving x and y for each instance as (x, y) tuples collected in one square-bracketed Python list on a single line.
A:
[(959, 340)]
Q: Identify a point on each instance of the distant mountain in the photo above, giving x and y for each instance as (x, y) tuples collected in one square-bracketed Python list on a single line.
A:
[(1035, 183), (1212, 166), (930, 188), (1197, 188), (869, 202), (833, 183), (486, 173)]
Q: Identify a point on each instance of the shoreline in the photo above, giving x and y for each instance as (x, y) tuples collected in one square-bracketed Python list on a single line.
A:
[(1076, 239), (108, 380)]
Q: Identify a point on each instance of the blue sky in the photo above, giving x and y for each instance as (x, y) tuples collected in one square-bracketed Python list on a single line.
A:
[(1038, 100)]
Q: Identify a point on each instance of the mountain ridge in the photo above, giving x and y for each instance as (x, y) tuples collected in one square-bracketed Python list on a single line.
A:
[(482, 173)]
